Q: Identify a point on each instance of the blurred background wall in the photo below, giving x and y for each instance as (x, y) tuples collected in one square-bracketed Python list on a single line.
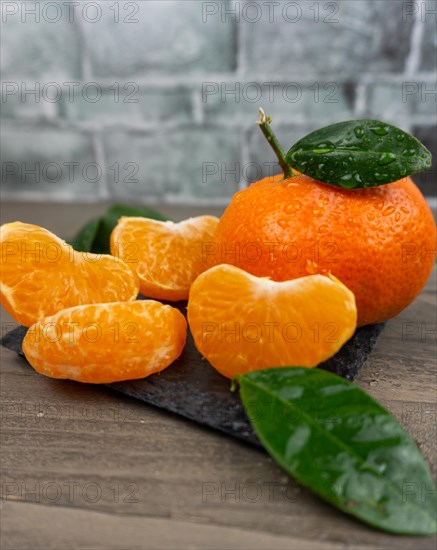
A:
[(155, 101)]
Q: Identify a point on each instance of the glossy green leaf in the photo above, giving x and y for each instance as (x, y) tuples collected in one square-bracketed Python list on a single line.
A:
[(359, 153), (339, 442), (84, 240), (111, 217), (94, 235)]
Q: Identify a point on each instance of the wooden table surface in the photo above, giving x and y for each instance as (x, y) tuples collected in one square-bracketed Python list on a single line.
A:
[(83, 467)]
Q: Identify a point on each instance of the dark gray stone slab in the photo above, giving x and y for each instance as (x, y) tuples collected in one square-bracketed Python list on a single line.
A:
[(193, 389)]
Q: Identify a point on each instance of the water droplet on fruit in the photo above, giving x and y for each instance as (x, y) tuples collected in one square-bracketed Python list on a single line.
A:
[(323, 228), (381, 235), (370, 216), (386, 158), (359, 131), (292, 207), (379, 205), (400, 137), (388, 210), (404, 210), (311, 267), (409, 152), (283, 224)]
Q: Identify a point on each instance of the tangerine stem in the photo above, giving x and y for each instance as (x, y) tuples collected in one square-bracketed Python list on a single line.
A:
[(264, 124)]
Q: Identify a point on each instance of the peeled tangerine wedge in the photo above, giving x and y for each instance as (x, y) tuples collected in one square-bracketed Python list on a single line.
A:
[(242, 323), (167, 256), (41, 274), (103, 343)]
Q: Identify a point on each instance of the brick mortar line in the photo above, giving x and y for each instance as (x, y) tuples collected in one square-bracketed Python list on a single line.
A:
[(41, 196), (198, 112), (414, 57), (103, 191), (85, 60), (245, 157), (149, 128), (185, 83)]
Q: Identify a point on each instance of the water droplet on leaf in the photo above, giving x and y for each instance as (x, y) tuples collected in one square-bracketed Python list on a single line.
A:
[(325, 147), (380, 130), (386, 158), (347, 181), (359, 131), (357, 177)]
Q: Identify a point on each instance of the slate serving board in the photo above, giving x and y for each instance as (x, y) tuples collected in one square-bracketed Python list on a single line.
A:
[(191, 388)]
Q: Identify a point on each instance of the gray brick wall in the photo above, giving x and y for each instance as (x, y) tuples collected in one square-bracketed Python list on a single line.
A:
[(155, 101)]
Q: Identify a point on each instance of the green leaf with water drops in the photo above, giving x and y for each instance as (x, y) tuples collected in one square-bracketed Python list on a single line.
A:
[(94, 235), (359, 153), (339, 442), (110, 220), (84, 239)]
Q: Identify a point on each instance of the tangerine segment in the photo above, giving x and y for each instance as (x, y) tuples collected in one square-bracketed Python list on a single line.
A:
[(103, 343), (167, 256), (42, 274), (242, 323)]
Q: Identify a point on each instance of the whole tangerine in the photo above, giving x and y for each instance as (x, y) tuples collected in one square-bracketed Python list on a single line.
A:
[(380, 241)]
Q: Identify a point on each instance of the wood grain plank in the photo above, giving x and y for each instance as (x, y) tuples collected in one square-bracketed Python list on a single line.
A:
[(104, 531), (179, 470), (180, 485)]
